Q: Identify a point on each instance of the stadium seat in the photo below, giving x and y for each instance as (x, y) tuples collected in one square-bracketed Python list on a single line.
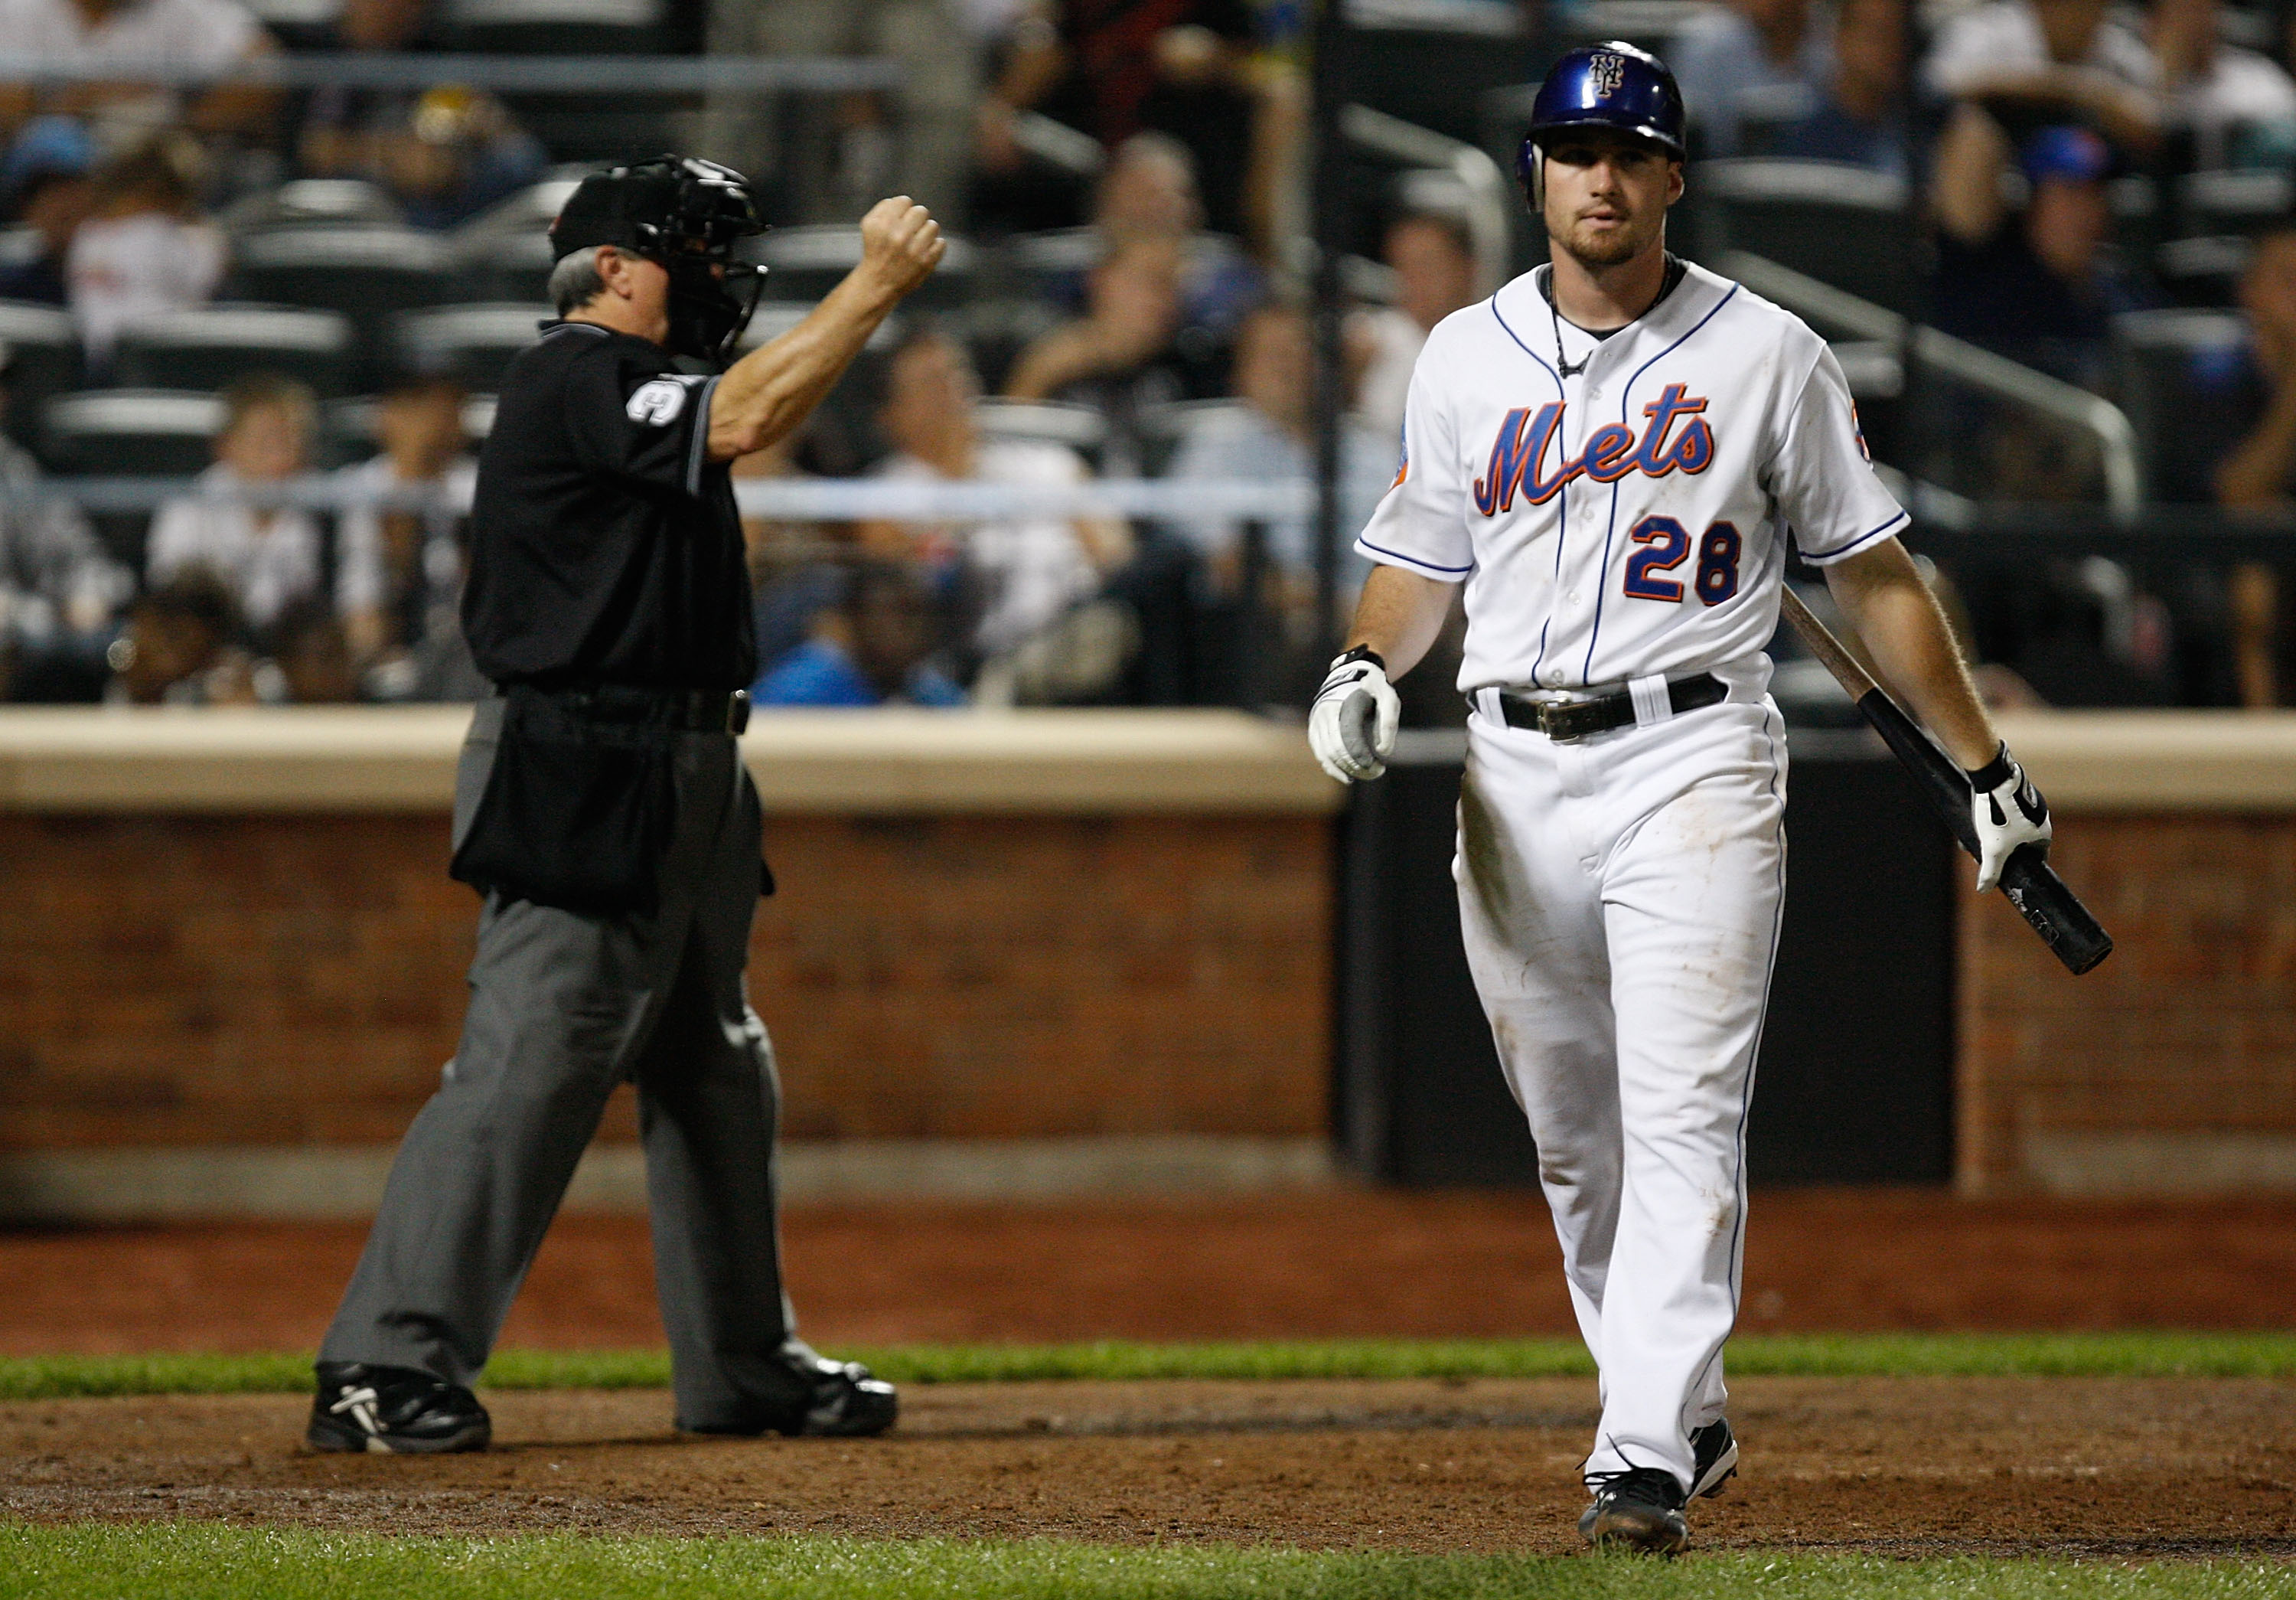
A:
[(208, 346), (137, 433), (298, 24), (365, 272), (1051, 263), (2206, 270), (1081, 428), (2232, 203), (314, 201), (503, 252), (1845, 225), (805, 263), (45, 361), (1164, 428), (472, 344), (20, 244), (2179, 375), (556, 26), (505, 266)]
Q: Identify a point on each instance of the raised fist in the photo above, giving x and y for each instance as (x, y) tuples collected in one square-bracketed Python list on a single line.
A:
[(900, 244)]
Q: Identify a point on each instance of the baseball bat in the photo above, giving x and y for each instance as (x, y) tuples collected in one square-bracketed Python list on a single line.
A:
[(2053, 911)]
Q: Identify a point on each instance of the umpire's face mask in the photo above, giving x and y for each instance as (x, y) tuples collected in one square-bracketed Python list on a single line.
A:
[(710, 302)]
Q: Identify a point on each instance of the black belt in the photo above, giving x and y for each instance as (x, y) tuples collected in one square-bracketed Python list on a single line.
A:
[(1564, 721), (692, 710)]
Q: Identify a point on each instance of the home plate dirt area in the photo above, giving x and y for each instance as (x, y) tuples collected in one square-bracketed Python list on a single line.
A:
[(1917, 1467)]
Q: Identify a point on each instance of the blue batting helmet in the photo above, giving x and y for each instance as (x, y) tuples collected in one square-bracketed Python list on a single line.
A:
[(1611, 84)]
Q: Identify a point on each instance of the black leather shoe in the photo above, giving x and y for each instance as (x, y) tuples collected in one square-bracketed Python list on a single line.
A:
[(843, 1402), (394, 1411), (1715, 1459), (1640, 1510)]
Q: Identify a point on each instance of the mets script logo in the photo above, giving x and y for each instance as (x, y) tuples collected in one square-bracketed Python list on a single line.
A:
[(1607, 72), (1612, 451)]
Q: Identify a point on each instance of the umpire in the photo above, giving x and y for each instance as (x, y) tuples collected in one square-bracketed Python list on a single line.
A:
[(602, 807)]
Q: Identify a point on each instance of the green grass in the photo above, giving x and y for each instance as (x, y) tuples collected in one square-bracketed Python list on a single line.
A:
[(192, 1561), (1831, 1354)]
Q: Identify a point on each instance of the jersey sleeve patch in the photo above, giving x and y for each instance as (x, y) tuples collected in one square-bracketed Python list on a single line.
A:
[(658, 402)]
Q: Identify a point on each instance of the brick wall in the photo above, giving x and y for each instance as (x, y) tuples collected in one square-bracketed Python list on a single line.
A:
[(287, 980), (2173, 1065)]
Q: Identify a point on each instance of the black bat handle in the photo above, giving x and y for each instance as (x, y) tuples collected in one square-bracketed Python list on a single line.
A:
[(2055, 913), (2053, 910)]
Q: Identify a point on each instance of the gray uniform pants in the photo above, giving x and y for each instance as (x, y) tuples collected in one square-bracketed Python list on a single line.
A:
[(563, 1008)]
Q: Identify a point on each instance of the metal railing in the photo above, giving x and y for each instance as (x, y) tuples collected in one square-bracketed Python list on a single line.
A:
[(562, 74), (786, 499), (2092, 416), (1490, 195)]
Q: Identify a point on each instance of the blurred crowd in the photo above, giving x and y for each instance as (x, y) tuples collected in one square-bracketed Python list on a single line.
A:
[(2100, 193)]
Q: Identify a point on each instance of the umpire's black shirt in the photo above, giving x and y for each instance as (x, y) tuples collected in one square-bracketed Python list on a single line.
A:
[(605, 547)]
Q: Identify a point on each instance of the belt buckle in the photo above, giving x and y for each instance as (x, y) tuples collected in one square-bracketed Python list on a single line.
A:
[(1554, 721), (737, 711)]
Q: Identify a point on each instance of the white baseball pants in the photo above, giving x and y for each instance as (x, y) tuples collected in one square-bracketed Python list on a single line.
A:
[(1620, 897)]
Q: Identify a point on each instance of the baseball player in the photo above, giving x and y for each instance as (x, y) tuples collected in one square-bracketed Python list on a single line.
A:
[(602, 805), (1611, 454)]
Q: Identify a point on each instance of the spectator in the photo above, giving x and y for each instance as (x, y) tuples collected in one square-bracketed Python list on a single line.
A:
[(1433, 259), (1860, 115), (444, 155), (1116, 68), (58, 588), (203, 33), (178, 648), (1750, 57), (1148, 194), (2236, 109), (793, 565), (871, 647), (399, 570), (146, 251), (2260, 472), (2034, 63), (311, 662), (44, 185), (338, 120), (831, 166), (1122, 355), (1271, 441), (2039, 285), (267, 557), (1027, 570)]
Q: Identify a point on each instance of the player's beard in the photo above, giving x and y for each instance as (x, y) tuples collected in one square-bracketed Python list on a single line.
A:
[(1613, 247)]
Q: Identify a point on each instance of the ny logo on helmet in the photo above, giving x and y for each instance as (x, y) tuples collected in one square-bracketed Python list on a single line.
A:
[(1606, 73)]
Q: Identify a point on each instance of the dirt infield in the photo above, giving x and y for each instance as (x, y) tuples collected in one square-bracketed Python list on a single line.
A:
[(1905, 1467), (1346, 1263)]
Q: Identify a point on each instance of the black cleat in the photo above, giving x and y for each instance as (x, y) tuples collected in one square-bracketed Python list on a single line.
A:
[(844, 1402), (394, 1411), (1640, 1510), (1714, 1450)]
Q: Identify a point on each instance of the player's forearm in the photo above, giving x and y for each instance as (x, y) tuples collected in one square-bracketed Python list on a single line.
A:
[(768, 394), (1899, 622), (1399, 615)]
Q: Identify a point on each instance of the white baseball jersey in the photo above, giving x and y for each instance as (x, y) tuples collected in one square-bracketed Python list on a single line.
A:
[(1618, 510), (1622, 509)]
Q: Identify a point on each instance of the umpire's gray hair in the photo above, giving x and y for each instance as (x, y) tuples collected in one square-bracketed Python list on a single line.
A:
[(574, 282)]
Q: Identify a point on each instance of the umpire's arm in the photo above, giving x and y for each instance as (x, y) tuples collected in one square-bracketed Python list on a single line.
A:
[(766, 394)]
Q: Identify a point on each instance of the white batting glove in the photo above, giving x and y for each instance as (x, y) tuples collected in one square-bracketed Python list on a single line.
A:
[(1351, 726), (2010, 813)]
